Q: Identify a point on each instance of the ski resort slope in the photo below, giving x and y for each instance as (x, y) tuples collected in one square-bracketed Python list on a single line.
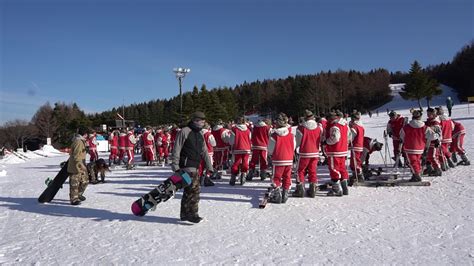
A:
[(395, 225)]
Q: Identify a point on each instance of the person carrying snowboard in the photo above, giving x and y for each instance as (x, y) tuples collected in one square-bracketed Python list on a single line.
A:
[(76, 168), (189, 149)]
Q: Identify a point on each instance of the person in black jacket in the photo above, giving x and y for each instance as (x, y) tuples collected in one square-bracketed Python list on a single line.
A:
[(189, 149)]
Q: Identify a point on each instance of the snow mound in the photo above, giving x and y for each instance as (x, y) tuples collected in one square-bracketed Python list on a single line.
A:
[(30, 155), (398, 103), (3, 173), (11, 159), (48, 150)]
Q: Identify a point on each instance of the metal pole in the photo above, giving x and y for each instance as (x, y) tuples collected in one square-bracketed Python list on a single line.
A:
[(180, 99)]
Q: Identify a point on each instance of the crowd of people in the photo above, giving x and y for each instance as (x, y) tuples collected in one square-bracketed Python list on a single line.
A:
[(280, 150)]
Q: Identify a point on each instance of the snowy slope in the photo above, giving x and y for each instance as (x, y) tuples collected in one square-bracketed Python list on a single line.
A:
[(400, 225), (398, 103)]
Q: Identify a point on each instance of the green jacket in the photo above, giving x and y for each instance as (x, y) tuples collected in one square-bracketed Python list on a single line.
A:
[(77, 156)]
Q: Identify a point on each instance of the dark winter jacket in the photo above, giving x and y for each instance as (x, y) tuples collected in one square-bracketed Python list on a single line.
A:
[(189, 148)]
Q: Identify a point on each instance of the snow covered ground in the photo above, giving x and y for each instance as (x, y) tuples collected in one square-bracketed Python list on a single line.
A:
[(398, 225)]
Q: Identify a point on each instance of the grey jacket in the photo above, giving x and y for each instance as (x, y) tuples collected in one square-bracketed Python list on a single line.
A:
[(178, 145)]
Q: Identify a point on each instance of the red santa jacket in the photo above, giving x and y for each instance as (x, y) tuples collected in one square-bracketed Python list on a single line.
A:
[(220, 133), (458, 130), (394, 126), (435, 125), (209, 140), (240, 139), (447, 127), (282, 147), (122, 141), (357, 135), (337, 138), (113, 140), (260, 136), (92, 142), (148, 140), (130, 141), (414, 136), (308, 139)]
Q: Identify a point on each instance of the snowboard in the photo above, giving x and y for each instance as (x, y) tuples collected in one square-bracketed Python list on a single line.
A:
[(392, 183), (161, 193), (54, 185)]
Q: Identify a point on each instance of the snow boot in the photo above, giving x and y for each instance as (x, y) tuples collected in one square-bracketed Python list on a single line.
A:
[(284, 196), (311, 192), (192, 218), (464, 161), (345, 189), (76, 202), (275, 197), (242, 178), (208, 182), (336, 189), (233, 178), (360, 177), (82, 198), (249, 176), (415, 178), (436, 172), (299, 191), (450, 162), (263, 175), (428, 170), (454, 158)]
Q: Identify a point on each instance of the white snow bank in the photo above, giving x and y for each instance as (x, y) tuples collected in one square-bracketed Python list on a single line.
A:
[(3, 173), (49, 150), (11, 159)]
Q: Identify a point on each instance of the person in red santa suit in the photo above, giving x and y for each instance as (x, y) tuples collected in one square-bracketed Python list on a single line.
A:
[(416, 137), (210, 143), (281, 148), (94, 155), (148, 146), (260, 138), (394, 126), (356, 146), (165, 143), (308, 140), (113, 142), (336, 150), (447, 127), (240, 139), (121, 145), (434, 166), (173, 133), (159, 144), (370, 145), (130, 142), (457, 145), (221, 149)]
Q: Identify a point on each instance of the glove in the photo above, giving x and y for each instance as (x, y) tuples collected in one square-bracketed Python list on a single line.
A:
[(437, 143)]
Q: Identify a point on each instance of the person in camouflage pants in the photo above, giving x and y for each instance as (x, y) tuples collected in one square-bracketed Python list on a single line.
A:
[(188, 151), (78, 178)]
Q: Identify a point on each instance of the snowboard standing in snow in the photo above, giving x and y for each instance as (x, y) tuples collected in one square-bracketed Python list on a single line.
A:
[(54, 185), (162, 192)]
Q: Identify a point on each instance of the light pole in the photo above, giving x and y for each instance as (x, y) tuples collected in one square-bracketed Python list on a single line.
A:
[(180, 74)]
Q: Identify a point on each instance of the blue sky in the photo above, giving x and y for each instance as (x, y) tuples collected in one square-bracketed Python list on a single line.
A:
[(103, 53)]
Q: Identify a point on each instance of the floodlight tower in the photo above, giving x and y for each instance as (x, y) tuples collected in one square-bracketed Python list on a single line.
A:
[(180, 74)]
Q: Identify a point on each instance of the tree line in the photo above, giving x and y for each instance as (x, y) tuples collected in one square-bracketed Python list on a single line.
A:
[(320, 92)]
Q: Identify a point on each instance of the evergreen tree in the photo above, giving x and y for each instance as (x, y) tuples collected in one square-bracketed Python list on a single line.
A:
[(419, 85)]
